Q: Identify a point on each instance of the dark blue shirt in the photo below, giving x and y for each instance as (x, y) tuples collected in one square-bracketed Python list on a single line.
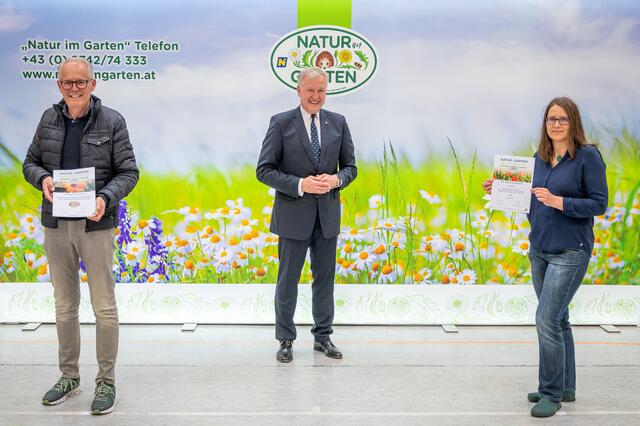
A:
[(74, 129), (72, 140), (582, 182)]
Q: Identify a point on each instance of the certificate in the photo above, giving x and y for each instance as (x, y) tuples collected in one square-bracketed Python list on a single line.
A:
[(75, 192), (512, 181)]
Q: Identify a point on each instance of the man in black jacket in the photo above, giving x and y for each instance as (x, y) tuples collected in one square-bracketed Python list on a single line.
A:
[(307, 156), (80, 132)]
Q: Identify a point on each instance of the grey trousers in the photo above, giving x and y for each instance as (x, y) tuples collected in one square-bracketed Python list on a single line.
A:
[(65, 246), (292, 254)]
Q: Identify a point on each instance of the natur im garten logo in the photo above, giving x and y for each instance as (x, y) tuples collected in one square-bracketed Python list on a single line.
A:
[(348, 58)]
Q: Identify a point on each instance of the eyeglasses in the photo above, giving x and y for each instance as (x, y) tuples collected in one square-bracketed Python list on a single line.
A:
[(68, 84), (551, 121)]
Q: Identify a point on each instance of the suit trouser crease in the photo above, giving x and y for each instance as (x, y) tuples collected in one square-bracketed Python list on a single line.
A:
[(292, 254), (556, 278), (65, 246)]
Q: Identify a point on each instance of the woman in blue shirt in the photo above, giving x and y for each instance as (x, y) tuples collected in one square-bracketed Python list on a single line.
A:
[(569, 189)]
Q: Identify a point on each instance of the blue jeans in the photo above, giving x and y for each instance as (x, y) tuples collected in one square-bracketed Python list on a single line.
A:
[(556, 278)]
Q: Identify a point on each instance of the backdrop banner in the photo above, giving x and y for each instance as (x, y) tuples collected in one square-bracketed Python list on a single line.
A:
[(431, 92), (355, 304)]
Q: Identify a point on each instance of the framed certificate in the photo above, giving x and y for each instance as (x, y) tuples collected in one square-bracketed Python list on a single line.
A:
[(75, 192), (512, 182)]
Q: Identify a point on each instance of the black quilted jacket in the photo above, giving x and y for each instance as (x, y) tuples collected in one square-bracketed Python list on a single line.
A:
[(105, 145)]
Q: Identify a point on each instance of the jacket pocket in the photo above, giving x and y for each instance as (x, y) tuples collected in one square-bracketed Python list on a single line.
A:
[(97, 140), (98, 151)]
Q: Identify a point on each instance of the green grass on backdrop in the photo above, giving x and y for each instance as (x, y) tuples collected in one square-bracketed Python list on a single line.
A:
[(459, 225)]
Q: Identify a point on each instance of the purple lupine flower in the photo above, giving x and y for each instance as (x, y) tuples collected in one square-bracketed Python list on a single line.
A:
[(141, 274), (153, 238), (158, 252), (124, 223), (120, 266), (124, 237)]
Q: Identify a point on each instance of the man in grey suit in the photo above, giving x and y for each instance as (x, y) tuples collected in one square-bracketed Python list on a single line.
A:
[(307, 156)]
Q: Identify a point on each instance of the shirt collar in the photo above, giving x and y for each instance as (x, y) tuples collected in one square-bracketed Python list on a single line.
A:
[(307, 117), (65, 110)]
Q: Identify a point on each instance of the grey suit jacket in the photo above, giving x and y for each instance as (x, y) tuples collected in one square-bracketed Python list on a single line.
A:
[(286, 157)]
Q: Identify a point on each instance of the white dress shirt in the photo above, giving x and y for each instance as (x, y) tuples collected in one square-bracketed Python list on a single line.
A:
[(306, 118)]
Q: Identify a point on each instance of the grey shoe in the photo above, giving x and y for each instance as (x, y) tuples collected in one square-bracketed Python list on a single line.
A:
[(104, 401), (545, 408), (61, 391)]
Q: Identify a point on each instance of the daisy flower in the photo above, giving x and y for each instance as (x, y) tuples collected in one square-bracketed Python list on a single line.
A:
[(458, 250), (522, 247), (241, 259), (183, 247), (43, 273), (363, 260), (425, 276), (426, 250), (380, 252), (486, 251), (480, 219), (146, 226), (615, 262), (294, 54), (245, 226), (345, 268), (191, 214), (189, 269), (387, 275), (353, 234), (507, 271), (156, 278), (31, 228), (386, 225), (376, 201), (346, 250), (467, 277), (430, 197), (266, 210), (223, 260), (135, 249), (13, 239)]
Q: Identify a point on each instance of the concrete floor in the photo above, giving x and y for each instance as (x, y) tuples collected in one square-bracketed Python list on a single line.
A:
[(389, 375)]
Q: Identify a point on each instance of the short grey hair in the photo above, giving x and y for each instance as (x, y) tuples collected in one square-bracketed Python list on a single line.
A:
[(80, 60), (312, 72)]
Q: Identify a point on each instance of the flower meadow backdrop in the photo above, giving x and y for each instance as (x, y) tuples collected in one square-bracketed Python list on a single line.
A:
[(403, 224), (456, 83)]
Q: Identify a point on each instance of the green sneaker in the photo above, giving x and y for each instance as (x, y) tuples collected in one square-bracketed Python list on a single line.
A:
[(104, 400), (545, 408), (567, 396), (61, 391)]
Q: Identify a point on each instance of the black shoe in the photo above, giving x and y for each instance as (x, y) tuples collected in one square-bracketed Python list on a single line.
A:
[(285, 354), (61, 391), (104, 400), (328, 348)]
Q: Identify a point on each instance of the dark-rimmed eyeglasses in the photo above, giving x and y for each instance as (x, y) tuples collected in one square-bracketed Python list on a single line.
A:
[(551, 121), (68, 84)]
